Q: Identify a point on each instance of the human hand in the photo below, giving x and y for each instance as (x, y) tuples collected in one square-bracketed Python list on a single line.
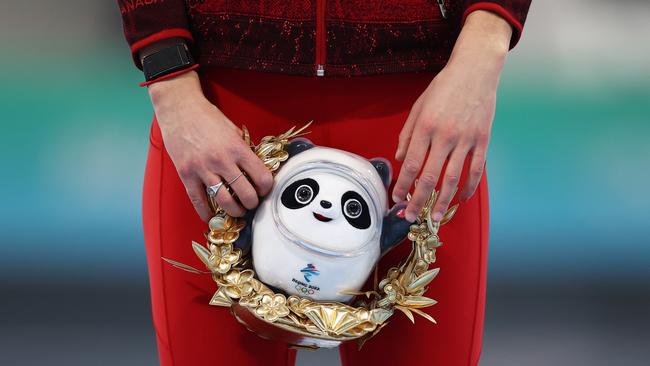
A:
[(453, 118), (207, 148)]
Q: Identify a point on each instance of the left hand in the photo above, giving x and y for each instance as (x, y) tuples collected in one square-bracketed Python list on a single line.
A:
[(453, 117)]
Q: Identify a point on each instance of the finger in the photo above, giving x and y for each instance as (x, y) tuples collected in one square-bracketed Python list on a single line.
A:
[(449, 182), (407, 132), (242, 188), (223, 199), (417, 151), (428, 180), (197, 195), (257, 172), (476, 169)]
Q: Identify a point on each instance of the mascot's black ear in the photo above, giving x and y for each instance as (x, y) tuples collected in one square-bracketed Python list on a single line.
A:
[(298, 145), (383, 168)]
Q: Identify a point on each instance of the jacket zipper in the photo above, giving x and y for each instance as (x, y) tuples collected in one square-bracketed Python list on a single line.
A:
[(443, 8), (320, 38)]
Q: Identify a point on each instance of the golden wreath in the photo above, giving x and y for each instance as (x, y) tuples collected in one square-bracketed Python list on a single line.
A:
[(301, 321)]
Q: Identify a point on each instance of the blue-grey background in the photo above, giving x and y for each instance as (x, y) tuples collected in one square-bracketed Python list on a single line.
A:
[(569, 265)]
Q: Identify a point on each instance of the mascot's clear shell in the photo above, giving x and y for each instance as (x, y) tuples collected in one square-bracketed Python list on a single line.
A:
[(318, 233)]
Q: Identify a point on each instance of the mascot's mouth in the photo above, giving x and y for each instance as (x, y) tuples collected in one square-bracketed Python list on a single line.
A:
[(322, 218)]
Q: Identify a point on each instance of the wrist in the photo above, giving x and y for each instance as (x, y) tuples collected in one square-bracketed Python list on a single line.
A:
[(484, 39), (168, 93)]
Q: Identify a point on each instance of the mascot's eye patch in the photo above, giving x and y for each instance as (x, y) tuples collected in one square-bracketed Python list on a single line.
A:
[(355, 210), (300, 193)]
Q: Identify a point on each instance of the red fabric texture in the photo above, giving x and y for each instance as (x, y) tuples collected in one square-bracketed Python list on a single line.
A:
[(363, 115), (508, 15), (361, 37), (171, 75)]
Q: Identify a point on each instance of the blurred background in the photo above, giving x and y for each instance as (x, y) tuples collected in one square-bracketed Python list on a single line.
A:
[(569, 264)]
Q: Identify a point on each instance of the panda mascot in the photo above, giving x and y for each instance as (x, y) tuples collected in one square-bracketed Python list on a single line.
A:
[(325, 224)]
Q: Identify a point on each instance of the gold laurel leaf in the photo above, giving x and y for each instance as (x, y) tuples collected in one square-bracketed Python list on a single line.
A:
[(184, 266), (332, 319), (423, 280), (417, 301), (449, 214), (202, 253), (379, 316), (407, 274), (424, 315), (220, 299)]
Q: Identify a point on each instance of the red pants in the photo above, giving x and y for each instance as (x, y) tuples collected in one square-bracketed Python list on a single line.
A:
[(363, 115)]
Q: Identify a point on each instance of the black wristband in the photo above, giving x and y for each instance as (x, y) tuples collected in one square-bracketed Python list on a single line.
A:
[(166, 61)]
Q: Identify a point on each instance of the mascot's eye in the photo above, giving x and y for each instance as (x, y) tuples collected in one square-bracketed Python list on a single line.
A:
[(353, 208), (304, 193)]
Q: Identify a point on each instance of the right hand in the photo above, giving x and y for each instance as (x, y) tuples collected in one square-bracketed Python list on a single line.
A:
[(206, 147)]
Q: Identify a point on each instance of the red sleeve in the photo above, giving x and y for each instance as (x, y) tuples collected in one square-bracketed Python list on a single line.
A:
[(148, 21), (513, 11)]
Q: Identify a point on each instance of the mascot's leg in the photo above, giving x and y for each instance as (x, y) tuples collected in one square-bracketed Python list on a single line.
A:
[(365, 115)]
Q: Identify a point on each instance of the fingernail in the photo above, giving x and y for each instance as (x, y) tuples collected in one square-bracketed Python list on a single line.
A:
[(396, 199), (410, 217), (437, 217)]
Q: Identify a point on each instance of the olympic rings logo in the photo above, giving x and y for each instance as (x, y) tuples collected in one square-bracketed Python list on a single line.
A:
[(304, 290)]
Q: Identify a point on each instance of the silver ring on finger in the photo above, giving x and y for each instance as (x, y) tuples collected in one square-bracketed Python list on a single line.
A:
[(235, 178), (214, 189)]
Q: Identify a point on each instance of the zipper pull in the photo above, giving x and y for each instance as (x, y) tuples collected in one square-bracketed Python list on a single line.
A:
[(443, 8), (320, 70)]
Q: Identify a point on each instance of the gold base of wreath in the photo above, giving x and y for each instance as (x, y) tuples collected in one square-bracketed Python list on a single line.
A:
[(283, 333), (300, 321)]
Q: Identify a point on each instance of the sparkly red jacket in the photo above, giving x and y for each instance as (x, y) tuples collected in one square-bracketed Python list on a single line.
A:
[(334, 38)]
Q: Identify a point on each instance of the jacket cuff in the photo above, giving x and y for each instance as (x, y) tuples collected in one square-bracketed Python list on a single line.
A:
[(515, 19), (158, 36), (146, 22)]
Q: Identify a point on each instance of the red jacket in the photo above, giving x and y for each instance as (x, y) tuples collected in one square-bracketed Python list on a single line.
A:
[(338, 37)]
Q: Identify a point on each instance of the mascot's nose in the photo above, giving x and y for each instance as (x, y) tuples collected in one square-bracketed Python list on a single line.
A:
[(326, 204)]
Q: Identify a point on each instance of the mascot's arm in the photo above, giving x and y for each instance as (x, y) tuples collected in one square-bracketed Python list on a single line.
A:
[(395, 228), (246, 234)]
